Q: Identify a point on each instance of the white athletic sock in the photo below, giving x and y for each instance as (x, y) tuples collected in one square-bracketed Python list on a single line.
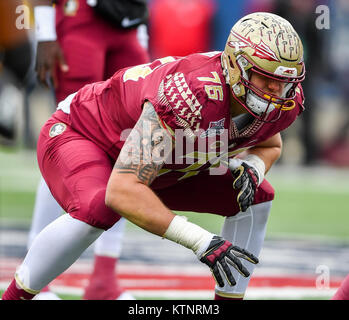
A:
[(55, 249), (109, 244), (46, 210)]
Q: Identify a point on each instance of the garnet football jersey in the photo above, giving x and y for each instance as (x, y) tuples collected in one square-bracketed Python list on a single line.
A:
[(188, 93)]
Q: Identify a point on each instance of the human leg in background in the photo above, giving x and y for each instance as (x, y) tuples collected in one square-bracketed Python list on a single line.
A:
[(104, 283)]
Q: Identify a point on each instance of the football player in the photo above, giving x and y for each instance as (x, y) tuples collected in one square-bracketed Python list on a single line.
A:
[(76, 46), (195, 133)]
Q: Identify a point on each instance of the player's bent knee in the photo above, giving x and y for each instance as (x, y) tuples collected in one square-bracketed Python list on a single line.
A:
[(95, 212)]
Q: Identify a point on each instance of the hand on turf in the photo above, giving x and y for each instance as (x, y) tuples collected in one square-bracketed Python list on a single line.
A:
[(219, 254), (246, 180)]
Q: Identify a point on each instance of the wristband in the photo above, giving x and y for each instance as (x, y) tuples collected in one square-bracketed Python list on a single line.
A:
[(188, 235), (256, 162), (45, 23), (252, 160)]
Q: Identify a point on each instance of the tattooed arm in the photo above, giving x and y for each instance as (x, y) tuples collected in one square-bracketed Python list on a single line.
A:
[(138, 164), (129, 194)]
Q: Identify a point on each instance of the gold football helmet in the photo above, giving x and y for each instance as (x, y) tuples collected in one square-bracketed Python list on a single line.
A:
[(267, 44)]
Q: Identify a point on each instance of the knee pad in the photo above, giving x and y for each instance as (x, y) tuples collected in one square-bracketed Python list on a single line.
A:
[(246, 230)]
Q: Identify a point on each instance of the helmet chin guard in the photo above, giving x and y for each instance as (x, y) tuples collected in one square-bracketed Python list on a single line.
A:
[(266, 44)]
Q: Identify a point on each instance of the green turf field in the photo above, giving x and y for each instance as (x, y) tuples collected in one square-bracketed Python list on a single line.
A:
[(308, 202)]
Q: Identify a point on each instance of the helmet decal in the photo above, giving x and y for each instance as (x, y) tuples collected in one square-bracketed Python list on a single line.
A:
[(262, 51), (287, 45)]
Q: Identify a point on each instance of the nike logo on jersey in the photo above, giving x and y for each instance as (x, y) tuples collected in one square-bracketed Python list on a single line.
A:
[(126, 22)]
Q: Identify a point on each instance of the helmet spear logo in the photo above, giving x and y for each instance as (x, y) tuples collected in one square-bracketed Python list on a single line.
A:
[(262, 51)]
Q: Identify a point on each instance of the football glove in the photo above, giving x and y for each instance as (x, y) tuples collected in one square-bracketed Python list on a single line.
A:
[(210, 249), (246, 179), (219, 254)]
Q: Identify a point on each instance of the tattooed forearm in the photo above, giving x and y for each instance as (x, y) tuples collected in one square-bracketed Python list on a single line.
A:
[(144, 172), (143, 153)]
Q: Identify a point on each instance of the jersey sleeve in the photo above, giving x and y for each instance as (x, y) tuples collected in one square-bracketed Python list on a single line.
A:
[(177, 106)]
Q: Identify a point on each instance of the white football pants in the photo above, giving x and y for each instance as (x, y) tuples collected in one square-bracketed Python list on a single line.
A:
[(47, 209), (245, 230)]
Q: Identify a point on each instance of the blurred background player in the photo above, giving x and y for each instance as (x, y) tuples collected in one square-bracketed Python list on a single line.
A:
[(188, 31), (336, 150), (15, 59), (302, 15), (81, 42)]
